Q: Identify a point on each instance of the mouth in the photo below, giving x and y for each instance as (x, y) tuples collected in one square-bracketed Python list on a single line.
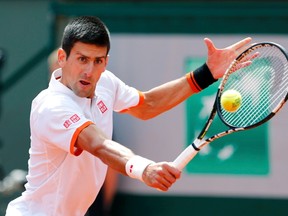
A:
[(84, 82)]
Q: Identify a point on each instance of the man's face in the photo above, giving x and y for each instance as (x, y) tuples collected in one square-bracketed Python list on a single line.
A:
[(83, 68)]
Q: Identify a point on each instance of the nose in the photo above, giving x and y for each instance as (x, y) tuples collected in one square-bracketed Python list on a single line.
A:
[(89, 70)]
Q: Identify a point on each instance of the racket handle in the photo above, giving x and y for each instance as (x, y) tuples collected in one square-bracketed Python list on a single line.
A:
[(185, 157)]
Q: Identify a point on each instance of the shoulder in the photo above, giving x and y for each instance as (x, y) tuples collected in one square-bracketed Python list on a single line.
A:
[(108, 80), (47, 102), (108, 76)]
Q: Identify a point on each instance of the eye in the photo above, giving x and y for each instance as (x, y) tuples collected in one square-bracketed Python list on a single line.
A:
[(82, 59), (98, 60)]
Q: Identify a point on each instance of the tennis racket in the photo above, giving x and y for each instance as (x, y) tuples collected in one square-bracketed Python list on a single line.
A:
[(263, 86)]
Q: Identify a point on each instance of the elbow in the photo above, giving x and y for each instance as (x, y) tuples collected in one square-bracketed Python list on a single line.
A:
[(147, 110)]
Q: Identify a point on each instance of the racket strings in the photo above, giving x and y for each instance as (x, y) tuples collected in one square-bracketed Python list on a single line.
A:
[(263, 85), (264, 107)]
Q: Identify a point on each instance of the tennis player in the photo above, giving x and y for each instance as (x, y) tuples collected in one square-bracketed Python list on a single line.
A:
[(71, 123)]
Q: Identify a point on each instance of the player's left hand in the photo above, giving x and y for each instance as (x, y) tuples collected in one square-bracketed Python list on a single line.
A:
[(219, 59)]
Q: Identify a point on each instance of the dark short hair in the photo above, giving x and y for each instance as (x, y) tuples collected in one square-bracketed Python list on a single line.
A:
[(85, 29)]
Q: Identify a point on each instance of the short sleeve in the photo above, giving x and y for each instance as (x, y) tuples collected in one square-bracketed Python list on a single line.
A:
[(59, 124), (124, 96)]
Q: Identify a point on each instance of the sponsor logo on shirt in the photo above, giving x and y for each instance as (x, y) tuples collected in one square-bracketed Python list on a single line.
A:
[(73, 119), (102, 107), (67, 123)]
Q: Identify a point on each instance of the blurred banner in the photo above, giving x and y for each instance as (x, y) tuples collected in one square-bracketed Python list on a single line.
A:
[(249, 164)]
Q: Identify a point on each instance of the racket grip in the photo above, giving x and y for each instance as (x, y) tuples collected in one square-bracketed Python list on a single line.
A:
[(185, 157)]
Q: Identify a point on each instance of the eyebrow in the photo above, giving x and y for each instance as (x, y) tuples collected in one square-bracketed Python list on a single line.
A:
[(97, 57), (80, 53), (101, 57)]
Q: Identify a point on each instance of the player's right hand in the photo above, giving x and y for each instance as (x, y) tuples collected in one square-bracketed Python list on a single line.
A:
[(161, 175)]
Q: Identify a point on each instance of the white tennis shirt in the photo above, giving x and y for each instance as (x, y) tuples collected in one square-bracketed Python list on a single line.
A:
[(63, 180)]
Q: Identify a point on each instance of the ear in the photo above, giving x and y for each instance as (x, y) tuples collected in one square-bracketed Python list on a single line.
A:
[(61, 57)]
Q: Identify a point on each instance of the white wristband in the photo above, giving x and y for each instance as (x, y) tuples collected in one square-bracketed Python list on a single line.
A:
[(136, 165)]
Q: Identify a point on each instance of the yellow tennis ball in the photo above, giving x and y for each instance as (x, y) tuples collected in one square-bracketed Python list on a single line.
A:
[(231, 100)]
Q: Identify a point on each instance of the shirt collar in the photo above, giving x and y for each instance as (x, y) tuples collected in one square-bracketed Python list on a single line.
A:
[(56, 85)]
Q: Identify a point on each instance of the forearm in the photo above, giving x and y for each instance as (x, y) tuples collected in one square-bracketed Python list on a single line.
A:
[(114, 155), (94, 141), (157, 175), (162, 98), (170, 94), (124, 161)]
